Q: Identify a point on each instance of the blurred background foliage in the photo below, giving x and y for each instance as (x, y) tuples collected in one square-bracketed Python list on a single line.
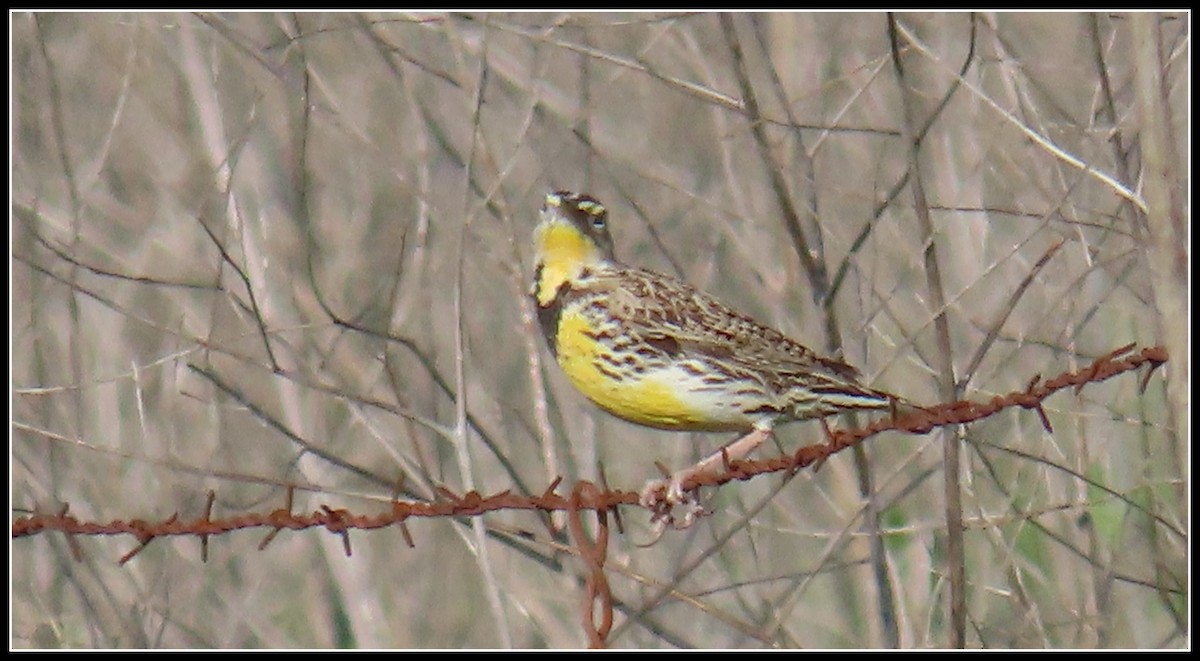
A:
[(225, 225)]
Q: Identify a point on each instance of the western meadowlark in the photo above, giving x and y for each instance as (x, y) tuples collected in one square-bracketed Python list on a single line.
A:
[(655, 351)]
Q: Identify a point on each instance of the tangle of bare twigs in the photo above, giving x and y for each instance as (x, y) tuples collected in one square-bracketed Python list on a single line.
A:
[(472, 503), (598, 598)]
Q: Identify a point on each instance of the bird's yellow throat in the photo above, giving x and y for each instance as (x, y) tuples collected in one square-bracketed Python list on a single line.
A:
[(563, 252)]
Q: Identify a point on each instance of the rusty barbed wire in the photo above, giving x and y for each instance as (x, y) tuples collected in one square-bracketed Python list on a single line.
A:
[(597, 593), (584, 495), (961, 412)]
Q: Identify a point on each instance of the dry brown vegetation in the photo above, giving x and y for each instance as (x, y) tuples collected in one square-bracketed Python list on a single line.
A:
[(226, 226)]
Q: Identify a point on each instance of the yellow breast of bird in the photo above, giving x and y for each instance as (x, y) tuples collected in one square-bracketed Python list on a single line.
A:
[(665, 395)]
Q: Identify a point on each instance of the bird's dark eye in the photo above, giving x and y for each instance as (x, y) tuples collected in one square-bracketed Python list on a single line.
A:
[(592, 209)]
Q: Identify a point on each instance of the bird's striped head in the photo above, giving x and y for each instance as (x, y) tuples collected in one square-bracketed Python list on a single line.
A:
[(571, 238)]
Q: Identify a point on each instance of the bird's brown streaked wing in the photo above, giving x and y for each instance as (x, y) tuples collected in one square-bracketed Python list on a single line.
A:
[(675, 314)]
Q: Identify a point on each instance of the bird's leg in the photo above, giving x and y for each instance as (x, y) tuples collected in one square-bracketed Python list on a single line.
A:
[(662, 495), (731, 452)]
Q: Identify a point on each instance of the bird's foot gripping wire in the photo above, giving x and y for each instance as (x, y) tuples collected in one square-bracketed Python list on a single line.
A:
[(664, 497)]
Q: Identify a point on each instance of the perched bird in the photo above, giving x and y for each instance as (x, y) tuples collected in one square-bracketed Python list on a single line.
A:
[(655, 351)]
